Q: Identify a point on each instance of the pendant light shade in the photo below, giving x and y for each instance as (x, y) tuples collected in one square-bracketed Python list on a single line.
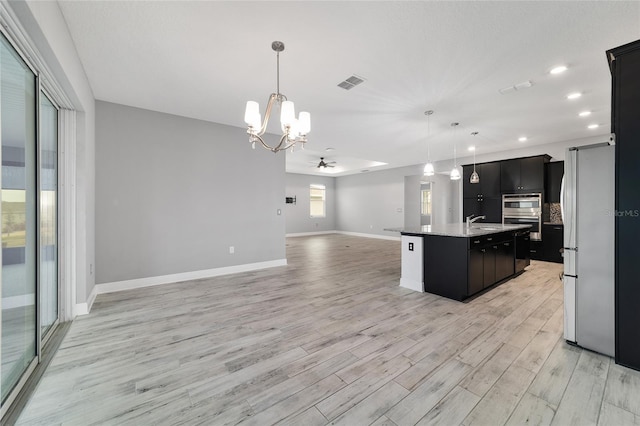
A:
[(429, 169), (475, 178), (455, 173)]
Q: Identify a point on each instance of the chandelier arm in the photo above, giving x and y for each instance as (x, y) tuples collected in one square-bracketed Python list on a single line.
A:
[(281, 145), (267, 114), (295, 141), (255, 137)]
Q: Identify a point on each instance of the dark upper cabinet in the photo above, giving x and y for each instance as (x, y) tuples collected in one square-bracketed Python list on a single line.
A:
[(523, 174), (489, 185), (553, 180), (484, 198), (510, 176), (491, 208), (624, 62)]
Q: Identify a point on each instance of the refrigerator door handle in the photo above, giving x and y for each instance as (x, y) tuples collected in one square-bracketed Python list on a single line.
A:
[(562, 199)]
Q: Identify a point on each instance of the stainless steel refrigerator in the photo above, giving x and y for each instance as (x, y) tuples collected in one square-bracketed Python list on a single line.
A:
[(587, 204)]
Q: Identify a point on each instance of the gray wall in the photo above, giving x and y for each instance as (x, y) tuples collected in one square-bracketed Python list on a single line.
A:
[(297, 215), (369, 202), (445, 199), (173, 194)]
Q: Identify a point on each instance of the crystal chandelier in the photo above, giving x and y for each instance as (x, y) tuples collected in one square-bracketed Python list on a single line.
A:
[(294, 130), (429, 170)]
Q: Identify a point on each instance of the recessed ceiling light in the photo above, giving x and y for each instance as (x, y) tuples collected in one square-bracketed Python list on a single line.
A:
[(558, 70), (585, 113), (593, 126), (472, 148), (522, 139), (575, 95)]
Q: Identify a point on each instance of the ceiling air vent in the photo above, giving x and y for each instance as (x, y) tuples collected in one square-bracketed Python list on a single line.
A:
[(516, 87), (351, 82)]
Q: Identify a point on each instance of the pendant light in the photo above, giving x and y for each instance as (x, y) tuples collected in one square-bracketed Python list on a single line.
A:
[(294, 129), (475, 178), (429, 170), (455, 173)]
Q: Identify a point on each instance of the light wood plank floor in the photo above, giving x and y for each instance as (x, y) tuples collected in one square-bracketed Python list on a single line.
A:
[(330, 339)]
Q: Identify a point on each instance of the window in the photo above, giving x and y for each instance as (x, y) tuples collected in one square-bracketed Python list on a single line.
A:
[(425, 202), (317, 200)]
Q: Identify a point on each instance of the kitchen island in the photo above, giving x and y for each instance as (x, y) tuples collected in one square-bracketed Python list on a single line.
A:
[(458, 261)]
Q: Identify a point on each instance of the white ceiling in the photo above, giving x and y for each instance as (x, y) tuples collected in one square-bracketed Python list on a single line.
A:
[(205, 59)]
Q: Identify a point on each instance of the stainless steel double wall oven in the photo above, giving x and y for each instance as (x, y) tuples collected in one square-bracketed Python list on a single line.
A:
[(524, 209)]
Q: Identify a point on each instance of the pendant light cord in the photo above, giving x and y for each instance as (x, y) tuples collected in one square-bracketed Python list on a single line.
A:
[(278, 73)]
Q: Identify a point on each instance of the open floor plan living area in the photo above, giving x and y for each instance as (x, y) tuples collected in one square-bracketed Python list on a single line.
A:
[(319, 213)]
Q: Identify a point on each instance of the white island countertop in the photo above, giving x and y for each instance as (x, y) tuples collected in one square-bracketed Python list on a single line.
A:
[(459, 229)]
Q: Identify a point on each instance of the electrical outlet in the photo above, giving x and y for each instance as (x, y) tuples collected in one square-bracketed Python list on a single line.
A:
[(232, 249)]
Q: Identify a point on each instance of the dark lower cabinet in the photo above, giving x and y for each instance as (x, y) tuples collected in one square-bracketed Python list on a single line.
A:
[(457, 267), (476, 270), (505, 259), (552, 241), (536, 250), (522, 247), (489, 263)]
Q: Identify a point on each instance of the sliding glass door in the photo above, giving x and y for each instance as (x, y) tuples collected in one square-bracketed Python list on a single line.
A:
[(18, 92), (48, 180), (29, 210)]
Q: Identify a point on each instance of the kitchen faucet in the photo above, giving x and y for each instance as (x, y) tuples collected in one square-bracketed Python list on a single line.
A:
[(470, 220)]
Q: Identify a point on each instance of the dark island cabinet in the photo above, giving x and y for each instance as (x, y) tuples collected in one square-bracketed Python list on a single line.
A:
[(476, 270), (461, 267), (505, 260), (624, 62), (523, 175)]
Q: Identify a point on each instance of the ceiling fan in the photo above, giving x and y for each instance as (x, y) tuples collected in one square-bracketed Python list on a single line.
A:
[(325, 164)]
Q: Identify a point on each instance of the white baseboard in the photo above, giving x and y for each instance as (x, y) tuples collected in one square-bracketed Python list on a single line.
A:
[(85, 308), (306, 234), (360, 234), (412, 284)]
